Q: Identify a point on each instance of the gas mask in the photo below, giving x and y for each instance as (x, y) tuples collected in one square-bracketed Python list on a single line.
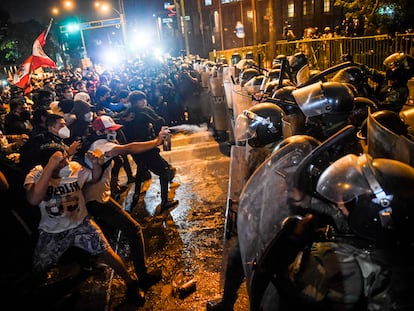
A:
[(111, 135), (65, 171), (64, 132)]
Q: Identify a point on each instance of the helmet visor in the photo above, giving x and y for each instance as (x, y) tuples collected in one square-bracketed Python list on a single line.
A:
[(243, 131), (343, 180), (311, 100), (246, 125)]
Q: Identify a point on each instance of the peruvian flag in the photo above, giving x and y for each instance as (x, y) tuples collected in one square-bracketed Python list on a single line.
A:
[(22, 80), (39, 57), (36, 60)]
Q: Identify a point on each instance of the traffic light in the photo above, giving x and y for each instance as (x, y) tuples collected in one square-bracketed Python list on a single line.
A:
[(71, 27)]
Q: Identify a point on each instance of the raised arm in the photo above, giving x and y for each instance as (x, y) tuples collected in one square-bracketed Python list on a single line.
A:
[(137, 147)]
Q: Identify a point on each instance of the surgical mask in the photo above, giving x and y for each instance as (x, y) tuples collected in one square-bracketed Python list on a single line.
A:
[(127, 105), (111, 135), (65, 171), (64, 132), (88, 117)]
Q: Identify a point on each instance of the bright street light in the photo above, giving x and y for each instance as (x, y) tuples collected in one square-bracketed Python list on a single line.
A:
[(105, 7)]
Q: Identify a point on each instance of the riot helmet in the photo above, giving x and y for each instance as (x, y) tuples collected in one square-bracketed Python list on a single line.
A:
[(247, 74), (375, 194), (387, 119), (324, 98), (352, 75), (249, 55), (299, 68), (392, 121), (297, 140), (399, 67), (260, 125)]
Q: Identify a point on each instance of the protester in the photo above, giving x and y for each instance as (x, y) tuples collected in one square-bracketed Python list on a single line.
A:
[(142, 123), (17, 119), (104, 208), (55, 186), (57, 131)]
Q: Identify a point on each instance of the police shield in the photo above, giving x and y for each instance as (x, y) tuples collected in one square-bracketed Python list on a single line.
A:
[(262, 208), (384, 143)]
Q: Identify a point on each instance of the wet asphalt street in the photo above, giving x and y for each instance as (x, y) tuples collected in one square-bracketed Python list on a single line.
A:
[(186, 242)]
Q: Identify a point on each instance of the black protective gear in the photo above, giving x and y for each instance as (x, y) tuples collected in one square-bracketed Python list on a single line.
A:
[(376, 193), (324, 98), (248, 74), (261, 125), (399, 67), (298, 68), (266, 133)]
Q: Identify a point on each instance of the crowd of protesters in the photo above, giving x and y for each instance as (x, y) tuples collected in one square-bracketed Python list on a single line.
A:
[(73, 132)]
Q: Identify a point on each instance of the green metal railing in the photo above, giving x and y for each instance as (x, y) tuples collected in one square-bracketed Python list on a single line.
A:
[(323, 53)]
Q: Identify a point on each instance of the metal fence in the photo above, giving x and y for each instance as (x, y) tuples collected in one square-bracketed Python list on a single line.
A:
[(323, 53)]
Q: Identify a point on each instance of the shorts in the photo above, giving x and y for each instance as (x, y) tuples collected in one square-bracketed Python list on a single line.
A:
[(51, 246)]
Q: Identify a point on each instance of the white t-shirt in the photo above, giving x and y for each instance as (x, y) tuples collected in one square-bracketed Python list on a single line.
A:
[(63, 207), (101, 190)]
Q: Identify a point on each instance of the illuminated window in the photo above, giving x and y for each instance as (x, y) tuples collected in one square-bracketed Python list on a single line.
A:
[(208, 2), (229, 1), (308, 7), (291, 9), (326, 6)]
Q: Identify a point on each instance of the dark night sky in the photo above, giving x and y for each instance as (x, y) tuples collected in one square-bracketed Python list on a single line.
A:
[(24, 10)]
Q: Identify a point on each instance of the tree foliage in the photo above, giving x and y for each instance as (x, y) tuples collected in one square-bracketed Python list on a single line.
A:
[(387, 15)]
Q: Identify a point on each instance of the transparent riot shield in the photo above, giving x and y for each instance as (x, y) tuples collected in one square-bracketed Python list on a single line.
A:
[(264, 205), (265, 202)]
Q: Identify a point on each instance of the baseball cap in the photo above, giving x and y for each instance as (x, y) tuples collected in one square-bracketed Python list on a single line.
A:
[(102, 123), (82, 96)]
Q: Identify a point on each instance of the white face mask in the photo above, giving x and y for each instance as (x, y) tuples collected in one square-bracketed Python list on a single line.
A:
[(64, 132), (111, 135), (88, 117), (65, 171)]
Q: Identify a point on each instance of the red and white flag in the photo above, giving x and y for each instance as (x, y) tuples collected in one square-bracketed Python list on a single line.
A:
[(22, 80), (36, 60), (39, 57)]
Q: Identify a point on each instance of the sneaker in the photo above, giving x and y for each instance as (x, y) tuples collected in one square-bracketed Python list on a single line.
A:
[(169, 204), (150, 278), (135, 295)]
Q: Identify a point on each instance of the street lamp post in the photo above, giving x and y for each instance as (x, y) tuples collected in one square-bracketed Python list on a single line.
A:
[(123, 22), (121, 13)]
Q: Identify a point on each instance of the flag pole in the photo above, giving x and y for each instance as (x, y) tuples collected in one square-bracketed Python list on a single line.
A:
[(48, 27)]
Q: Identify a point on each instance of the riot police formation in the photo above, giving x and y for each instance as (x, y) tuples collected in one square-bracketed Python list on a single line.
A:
[(324, 222)]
